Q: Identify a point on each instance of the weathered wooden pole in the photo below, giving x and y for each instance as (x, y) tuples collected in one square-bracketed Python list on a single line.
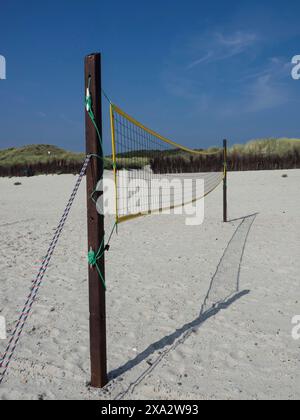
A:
[(98, 350), (225, 182)]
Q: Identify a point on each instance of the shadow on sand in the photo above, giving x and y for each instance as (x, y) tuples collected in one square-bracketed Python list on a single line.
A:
[(224, 290)]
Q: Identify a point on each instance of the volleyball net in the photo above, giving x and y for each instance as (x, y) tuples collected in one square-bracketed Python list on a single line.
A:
[(153, 174)]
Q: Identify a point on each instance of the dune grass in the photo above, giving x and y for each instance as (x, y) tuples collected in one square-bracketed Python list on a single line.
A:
[(51, 159), (41, 153), (280, 147)]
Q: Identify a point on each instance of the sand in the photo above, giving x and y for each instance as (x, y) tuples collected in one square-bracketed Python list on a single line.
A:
[(193, 312)]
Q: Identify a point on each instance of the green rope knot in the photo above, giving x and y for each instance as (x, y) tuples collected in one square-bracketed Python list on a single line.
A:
[(88, 104), (89, 110), (93, 261)]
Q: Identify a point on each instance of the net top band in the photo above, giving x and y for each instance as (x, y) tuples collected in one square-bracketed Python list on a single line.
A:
[(164, 139)]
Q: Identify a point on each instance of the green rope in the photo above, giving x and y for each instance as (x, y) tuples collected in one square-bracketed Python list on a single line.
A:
[(106, 97), (94, 257), (89, 108), (93, 261)]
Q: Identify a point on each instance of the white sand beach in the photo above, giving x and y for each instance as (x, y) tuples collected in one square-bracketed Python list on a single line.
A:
[(193, 312)]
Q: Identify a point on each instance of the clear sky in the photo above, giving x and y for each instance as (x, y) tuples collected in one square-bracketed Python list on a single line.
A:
[(196, 71)]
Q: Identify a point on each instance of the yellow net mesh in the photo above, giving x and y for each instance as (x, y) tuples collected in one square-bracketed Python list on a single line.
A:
[(154, 174)]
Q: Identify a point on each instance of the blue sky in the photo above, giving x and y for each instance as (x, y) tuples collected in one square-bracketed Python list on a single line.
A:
[(195, 71)]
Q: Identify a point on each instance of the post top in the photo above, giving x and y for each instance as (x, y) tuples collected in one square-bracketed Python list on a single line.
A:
[(93, 55)]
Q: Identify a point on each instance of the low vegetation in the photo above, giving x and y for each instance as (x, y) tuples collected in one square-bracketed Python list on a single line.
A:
[(260, 154), (38, 159), (264, 154)]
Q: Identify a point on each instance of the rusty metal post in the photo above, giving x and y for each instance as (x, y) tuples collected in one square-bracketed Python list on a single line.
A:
[(98, 351)]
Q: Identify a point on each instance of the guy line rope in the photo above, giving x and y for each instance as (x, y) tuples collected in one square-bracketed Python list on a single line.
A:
[(93, 257), (16, 334)]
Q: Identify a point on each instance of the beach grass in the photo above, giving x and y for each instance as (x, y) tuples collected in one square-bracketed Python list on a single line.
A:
[(48, 159)]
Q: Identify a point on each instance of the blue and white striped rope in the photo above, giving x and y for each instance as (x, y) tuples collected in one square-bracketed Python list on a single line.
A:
[(15, 337)]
